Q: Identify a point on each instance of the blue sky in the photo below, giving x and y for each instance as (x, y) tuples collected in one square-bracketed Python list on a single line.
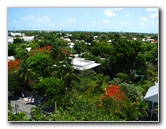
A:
[(142, 20)]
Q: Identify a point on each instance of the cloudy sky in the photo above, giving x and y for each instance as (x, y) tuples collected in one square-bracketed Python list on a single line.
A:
[(144, 20)]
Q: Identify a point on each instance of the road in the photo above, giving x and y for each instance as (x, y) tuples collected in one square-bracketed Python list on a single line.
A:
[(24, 106)]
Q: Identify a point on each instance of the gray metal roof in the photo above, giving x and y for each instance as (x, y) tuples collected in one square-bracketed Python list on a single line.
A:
[(152, 93)]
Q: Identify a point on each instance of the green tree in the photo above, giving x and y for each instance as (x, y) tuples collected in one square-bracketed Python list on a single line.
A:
[(68, 75), (18, 40), (41, 64), (56, 53), (37, 114), (25, 73), (21, 53), (52, 87), (11, 49)]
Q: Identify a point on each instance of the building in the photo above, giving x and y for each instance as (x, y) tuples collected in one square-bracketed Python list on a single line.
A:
[(10, 40), (28, 49), (82, 64), (16, 34), (152, 98), (11, 58), (28, 38)]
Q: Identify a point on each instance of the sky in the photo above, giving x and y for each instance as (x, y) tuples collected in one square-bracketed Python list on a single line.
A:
[(141, 20)]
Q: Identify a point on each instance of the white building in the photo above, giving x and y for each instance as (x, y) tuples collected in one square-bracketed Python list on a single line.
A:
[(71, 44), (28, 38), (149, 40), (66, 39), (10, 40), (28, 49), (134, 38), (95, 37), (143, 39), (11, 58), (109, 41), (16, 34), (82, 64), (152, 98)]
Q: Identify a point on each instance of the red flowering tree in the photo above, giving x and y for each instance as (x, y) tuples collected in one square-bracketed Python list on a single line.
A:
[(113, 92), (13, 83), (13, 65), (45, 50)]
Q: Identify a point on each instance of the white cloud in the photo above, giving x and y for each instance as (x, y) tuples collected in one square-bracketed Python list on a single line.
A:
[(154, 15), (123, 23), (152, 12), (127, 15), (70, 19), (43, 19), (143, 19), (109, 12), (88, 14), (33, 22), (105, 21), (31, 17), (143, 23), (151, 9)]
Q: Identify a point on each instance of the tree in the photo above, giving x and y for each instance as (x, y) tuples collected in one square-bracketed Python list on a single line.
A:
[(25, 73), (56, 53), (21, 53), (80, 46), (52, 87), (68, 74), (11, 49), (18, 40), (37, 114), (41, 64)]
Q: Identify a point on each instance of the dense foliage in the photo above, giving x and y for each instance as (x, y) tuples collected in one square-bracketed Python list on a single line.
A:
[(111, 92)]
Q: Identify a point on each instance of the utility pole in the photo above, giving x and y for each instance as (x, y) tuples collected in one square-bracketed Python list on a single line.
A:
[(55, 106), (16, 107)]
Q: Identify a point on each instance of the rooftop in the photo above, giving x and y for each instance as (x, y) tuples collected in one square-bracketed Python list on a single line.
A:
[(82, 64), (152, 93)]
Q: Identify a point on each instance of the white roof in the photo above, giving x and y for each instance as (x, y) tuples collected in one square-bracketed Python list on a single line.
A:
[(28, 48), (152, 93), (82, 64), (11, 58)]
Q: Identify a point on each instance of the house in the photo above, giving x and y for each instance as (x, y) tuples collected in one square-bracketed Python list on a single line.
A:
[(109, 41), (71, 44), (28, 38), (151, 97), (11, 58), (143, 39), (134, 38), (16, 34), (149, 40), (28, 49), (67, 39), (95, 37), (82, 64), (10, 40)]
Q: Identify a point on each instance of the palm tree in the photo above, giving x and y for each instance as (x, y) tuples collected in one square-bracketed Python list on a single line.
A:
[(37, 114), (24, 72), (46, 67), (68, 74), (55, 53)]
